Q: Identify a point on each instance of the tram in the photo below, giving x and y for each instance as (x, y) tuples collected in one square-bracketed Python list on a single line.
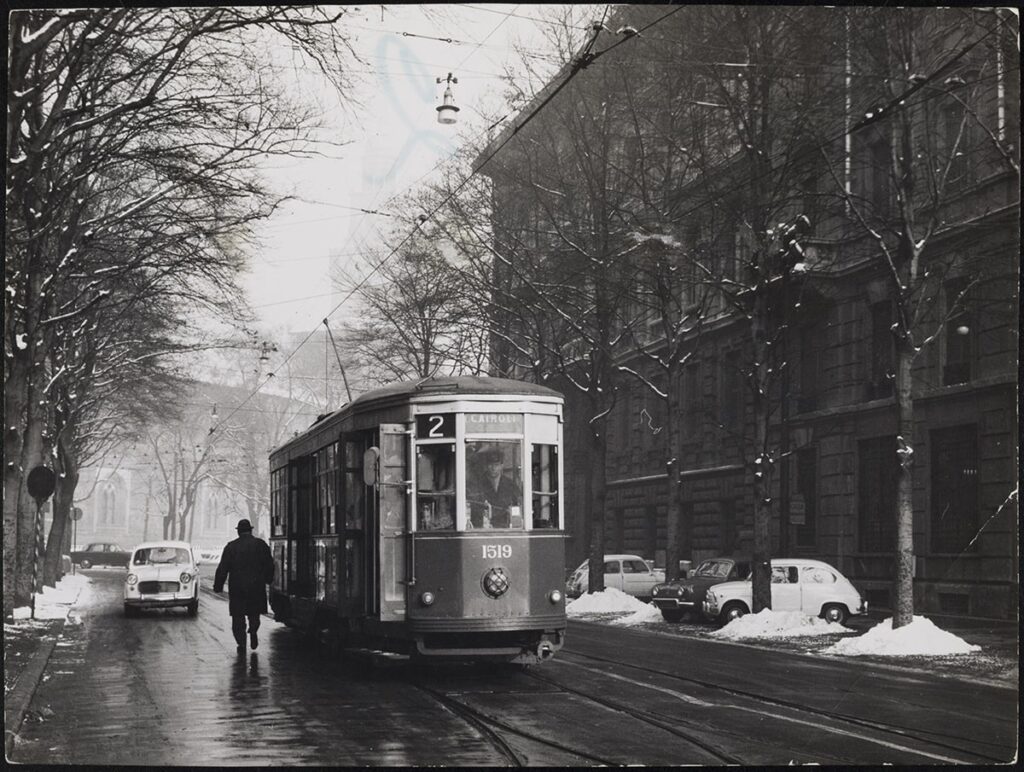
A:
[(425, 519)]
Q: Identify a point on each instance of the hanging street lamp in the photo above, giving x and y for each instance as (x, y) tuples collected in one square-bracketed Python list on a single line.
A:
[(446, 111)]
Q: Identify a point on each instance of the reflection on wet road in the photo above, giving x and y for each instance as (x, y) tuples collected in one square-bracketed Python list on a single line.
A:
[(164, 689)]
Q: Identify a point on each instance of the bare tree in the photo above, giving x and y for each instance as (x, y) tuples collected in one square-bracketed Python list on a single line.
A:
[(138, 127), (942, 114), (417, 320)]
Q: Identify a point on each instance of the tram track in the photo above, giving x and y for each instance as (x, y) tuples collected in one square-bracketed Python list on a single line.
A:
[(932, 739), (486, 725)]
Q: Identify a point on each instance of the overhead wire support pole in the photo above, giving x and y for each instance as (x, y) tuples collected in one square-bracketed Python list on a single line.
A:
[(338, 357)]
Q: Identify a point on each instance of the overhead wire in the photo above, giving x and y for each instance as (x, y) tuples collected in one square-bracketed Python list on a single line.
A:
[(584, 59), (581, 61)]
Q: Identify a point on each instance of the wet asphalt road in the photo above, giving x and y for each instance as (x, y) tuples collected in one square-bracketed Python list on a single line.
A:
[(166, 689)]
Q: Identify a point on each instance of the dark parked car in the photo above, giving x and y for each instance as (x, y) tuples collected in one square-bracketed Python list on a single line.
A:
[(677, 597), (101, 554)]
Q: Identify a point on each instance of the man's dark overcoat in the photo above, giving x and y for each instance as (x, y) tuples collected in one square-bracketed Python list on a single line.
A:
[(250, 566)]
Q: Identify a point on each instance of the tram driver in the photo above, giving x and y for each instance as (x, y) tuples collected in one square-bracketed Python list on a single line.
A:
[(494, 498)]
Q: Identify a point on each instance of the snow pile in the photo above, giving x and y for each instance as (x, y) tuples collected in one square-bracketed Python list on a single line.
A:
[(608, 601), (55, 602), (647, 612), (777, 624), (919, 637)]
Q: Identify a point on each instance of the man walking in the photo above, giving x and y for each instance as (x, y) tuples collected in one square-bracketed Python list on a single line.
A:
[(247, 560)]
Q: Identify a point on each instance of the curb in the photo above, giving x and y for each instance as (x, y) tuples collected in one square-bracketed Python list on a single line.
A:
[(20, 697)]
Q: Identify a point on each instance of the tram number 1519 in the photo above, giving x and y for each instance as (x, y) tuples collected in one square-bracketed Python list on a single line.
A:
[(497, 550)]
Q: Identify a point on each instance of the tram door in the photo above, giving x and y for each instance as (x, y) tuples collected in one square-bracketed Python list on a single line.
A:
[(393, 500)]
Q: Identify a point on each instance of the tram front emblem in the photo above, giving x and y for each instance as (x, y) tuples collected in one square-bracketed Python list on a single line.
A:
[(496, 582)]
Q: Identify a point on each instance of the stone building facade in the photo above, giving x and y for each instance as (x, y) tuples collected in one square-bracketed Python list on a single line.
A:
[(833, 416)]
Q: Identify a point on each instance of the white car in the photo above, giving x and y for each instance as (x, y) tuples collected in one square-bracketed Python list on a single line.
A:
[(798, 584), (629, 573), (162, 574)]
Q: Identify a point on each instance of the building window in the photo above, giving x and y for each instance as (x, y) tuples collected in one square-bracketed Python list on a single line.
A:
[(873, 172), (730, 399), (109, 502), (809, 196), (956, 142), (807, 398), (959, 334), (803, 511), (880, 378), (692, 401), (728, 534), (690, 277), (879, 467), (954, 495)]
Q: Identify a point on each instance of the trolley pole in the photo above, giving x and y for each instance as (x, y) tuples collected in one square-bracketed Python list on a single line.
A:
[(41, 482)]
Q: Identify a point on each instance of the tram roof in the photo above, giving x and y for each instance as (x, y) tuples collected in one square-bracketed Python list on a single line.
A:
[(461, 384), (405, 391)]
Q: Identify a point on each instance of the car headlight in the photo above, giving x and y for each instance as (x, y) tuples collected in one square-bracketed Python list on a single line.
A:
[(132, 579), (185, 578)]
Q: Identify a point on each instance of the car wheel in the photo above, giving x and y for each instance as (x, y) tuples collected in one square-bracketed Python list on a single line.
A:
[(129, 611), (732, 611), (834, 612), (672, 614), (85, 563), (193, 608)]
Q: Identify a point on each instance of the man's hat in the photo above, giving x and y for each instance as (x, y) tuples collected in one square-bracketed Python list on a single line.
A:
[(493, 454), (244, 525)]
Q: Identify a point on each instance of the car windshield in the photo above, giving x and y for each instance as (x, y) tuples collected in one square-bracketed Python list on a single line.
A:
[(716, 569), (151, 556)]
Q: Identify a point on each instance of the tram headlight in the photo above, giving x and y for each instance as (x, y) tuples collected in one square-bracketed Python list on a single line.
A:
[(132, 580), (427, 598), (555, 596)]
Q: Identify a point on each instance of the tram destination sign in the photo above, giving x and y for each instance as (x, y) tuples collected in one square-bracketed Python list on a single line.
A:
[(494, 423)]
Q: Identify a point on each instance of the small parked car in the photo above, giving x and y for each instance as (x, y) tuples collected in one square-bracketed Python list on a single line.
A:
[(686, 594), (101, 554), (162, 574), (798, 584), (629, 573)]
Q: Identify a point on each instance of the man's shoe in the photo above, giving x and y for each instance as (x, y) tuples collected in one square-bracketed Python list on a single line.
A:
[(253, 640), (241, 648)]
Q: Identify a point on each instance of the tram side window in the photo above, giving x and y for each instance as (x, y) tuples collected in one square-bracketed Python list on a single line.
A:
[(494, 487), (435, 487), (355, 488), (278, 501), (353, 584), (544, 466)]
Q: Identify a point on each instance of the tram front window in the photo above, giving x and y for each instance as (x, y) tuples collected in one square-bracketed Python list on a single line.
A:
[(435, 487), (494, 489), (544, 468)]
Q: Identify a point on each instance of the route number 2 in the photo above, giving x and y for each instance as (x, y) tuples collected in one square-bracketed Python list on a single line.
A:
[(497, 551)]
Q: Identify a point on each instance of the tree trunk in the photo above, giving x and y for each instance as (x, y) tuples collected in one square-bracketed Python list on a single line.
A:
[(29, 565), (63, 499), (598, 498), (15, 396), (903, 586), (677, 530), (761, 569)]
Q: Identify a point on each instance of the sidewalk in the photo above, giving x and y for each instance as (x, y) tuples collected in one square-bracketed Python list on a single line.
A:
[(28, 644)]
